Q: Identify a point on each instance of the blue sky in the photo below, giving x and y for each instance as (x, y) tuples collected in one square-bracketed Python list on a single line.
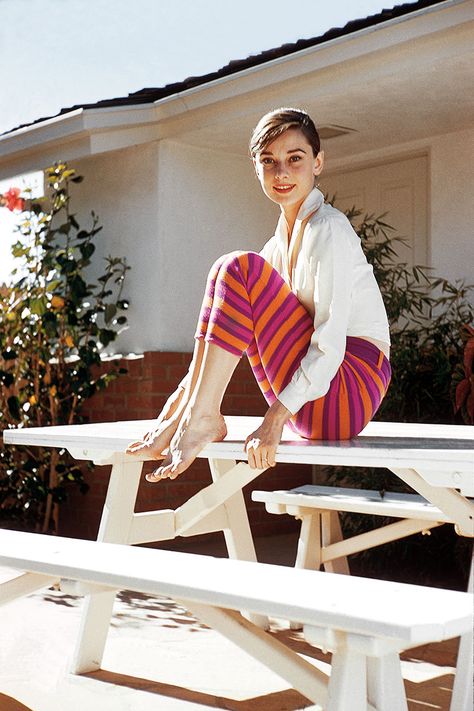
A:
[(57, 53)]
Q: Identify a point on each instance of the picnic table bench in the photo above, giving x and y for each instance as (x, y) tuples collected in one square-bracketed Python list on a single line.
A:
[(365, 623), (437, 461)]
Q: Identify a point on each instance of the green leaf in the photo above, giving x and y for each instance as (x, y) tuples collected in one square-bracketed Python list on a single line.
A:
[(53, 285), (38, 306)]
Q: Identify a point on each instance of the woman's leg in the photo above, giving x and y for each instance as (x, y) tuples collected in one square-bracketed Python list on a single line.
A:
[(157, 440), (202, 421), (249, 307)]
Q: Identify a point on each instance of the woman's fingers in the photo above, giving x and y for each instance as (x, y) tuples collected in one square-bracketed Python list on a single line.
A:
[(260, 456)]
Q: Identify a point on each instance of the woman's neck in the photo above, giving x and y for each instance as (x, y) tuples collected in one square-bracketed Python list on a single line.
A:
[(290, 214)]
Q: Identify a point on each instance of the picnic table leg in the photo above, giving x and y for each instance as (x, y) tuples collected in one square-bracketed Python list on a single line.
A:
[(385, 687), (114, 527), (347, 687), (238, 536), (331, 532), (462, 696)]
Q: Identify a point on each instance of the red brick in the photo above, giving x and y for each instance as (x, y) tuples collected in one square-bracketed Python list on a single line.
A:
[(159, 371)]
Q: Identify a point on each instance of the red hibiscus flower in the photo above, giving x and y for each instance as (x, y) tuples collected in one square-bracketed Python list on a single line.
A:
[(12, 199)]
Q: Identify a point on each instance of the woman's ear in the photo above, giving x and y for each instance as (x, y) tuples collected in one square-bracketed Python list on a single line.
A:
[(318, 163)]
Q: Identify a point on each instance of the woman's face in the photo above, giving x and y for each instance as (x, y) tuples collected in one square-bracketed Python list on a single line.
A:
[(286, 169)]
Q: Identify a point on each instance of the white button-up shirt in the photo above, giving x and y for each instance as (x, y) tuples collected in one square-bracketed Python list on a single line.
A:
[(325, 267)]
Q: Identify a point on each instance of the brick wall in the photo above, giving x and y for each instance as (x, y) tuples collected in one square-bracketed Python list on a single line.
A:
[(140, 394)]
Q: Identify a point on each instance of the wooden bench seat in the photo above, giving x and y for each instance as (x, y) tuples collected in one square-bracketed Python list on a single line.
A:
[(364, 501), (365, 623), (321, 542)]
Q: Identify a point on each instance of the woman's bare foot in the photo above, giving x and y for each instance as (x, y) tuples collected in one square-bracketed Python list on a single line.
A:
[(192, 435), (157, 440)]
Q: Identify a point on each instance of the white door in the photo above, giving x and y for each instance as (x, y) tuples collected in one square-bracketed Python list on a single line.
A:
[(400, 189)]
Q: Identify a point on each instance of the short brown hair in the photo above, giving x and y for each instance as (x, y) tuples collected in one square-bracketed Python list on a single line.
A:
[(277, 122)]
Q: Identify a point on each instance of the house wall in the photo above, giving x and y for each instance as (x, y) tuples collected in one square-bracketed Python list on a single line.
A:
[(171, 210), (450, 186), (452, 207), (210, 203)]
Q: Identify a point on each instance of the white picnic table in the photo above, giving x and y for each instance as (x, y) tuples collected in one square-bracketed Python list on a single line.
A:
[(437, 461)]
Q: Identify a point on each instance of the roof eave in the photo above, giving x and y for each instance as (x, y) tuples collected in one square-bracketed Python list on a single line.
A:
[(85, 125)]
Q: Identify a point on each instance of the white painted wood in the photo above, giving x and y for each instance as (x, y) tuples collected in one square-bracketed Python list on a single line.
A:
[(462, 698), (331, 533), (151, 526), (439, 460), (24, 584), (372, 539), (309, 543), (308, 554), (456, 506), (302, 675), (358, 616), (115, 525), (364, 501), (385, 687), (445, 449), (93, 630), (214, 495), (237, 533), (348, 682), (215, 521), (409, 613)]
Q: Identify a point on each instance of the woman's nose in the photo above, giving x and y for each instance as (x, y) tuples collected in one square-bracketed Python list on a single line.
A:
[(281, 170)]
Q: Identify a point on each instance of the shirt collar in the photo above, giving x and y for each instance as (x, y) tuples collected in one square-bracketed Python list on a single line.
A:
[(312, 202)]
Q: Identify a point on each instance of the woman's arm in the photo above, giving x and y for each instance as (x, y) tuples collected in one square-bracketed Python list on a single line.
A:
[(332, 265)]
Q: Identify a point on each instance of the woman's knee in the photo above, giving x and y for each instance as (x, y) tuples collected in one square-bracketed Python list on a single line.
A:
[(238, 258)]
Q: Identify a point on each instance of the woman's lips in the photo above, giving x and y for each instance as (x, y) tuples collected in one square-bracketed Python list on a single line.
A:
[(283, 189)]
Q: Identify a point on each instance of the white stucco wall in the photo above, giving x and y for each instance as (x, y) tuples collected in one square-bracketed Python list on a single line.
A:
[(122, 188), (450, 158), (171, 210), (452, 206), (210, 203)]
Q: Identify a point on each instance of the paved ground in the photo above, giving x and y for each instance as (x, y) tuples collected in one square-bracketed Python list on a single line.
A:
[(160, 658)]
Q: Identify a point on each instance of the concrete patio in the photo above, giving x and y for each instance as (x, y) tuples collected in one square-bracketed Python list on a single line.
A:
[(159, 657)]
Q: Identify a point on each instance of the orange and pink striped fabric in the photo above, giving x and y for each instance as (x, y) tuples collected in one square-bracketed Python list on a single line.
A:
[(249, 307)]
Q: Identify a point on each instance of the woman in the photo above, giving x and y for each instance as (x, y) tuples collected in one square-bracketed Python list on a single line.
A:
[(307, 310)]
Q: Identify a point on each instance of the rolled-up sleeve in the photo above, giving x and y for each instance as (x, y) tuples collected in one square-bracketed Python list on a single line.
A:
[(331, 262)]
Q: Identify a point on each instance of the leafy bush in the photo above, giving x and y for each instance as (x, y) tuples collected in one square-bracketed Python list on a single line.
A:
[(53, 327)]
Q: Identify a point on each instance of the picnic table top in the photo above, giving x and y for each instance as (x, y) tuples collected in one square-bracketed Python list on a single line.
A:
[(380, 444)]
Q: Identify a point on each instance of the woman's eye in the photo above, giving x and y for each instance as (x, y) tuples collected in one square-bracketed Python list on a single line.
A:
[(294, 159), (267, 161)]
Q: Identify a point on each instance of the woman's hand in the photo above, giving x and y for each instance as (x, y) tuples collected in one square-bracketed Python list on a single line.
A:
[(261, 445)]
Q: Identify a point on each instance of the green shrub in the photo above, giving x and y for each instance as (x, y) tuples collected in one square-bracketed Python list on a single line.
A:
[(53, 326)]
